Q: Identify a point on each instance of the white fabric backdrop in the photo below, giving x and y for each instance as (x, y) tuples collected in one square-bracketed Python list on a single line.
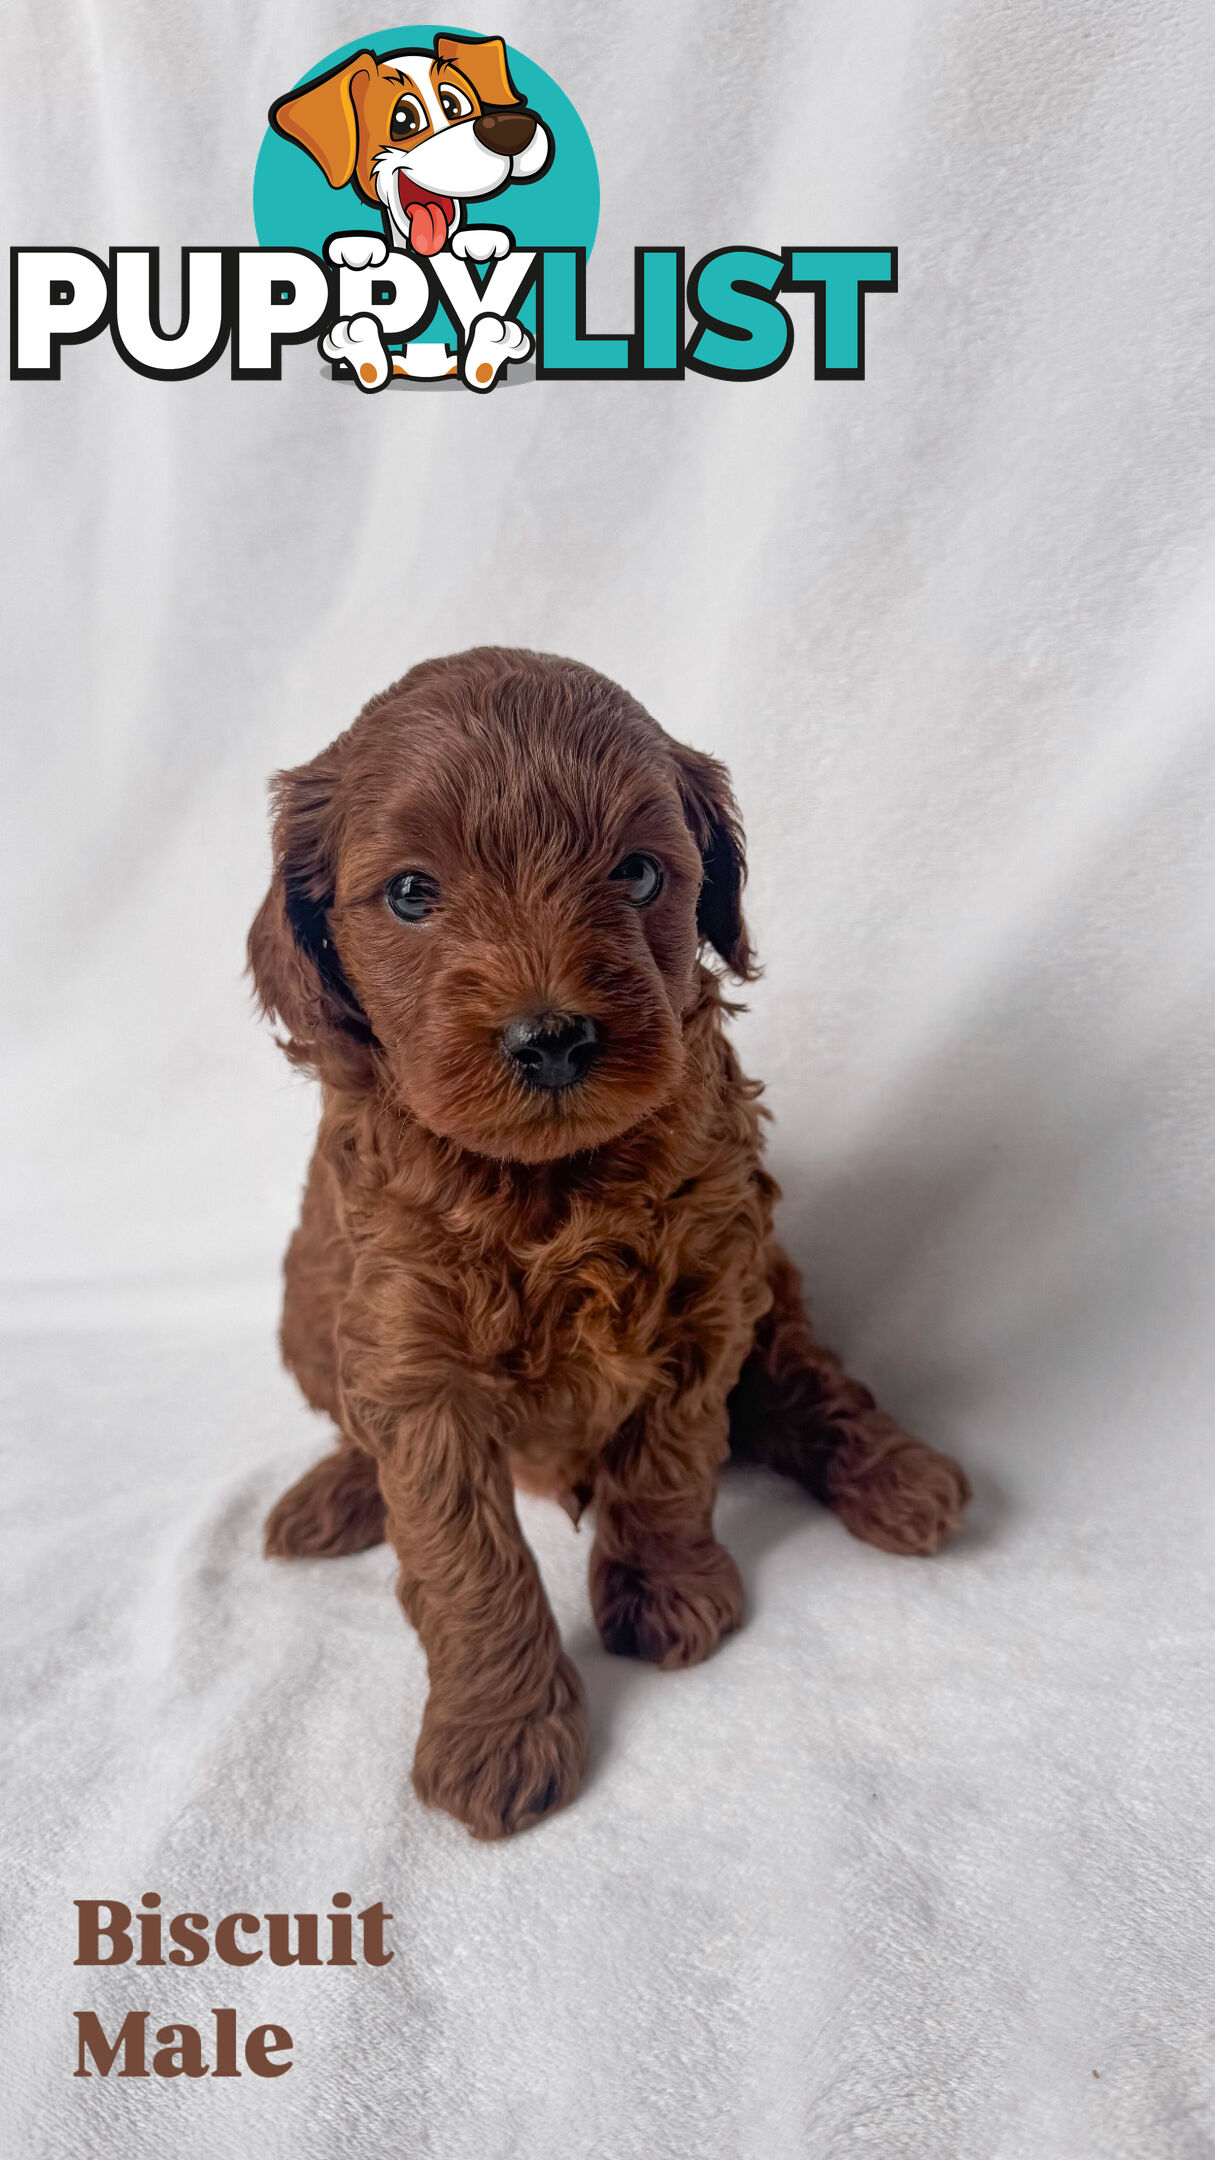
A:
[(920, 1864)]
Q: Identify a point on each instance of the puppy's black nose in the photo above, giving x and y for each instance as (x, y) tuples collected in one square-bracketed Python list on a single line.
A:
[(506, 132), (550, 1050)]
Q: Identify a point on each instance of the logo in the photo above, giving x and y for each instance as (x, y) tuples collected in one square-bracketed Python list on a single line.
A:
[(425, 202)]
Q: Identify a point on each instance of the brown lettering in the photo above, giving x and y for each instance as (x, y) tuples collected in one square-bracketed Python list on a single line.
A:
[(225, 1938), (89, 1931), (263, 2042), (278, 1927), (179, 2058), (190, 1937), (131, 2036), (373, 1918)]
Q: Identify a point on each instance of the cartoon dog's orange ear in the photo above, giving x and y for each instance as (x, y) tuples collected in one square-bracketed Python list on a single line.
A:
[(322, 117), (483, 62)]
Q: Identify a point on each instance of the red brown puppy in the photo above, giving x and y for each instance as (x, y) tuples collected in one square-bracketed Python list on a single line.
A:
[(536, 1241)]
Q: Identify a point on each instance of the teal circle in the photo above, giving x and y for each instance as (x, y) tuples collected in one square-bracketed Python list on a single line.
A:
[(294, 205)]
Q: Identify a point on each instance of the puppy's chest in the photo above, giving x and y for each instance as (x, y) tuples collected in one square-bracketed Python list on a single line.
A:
[(585, 1321), (579, 1302)]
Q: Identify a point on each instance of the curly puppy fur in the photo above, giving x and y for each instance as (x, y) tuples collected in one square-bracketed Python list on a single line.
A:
[(571, 1289)]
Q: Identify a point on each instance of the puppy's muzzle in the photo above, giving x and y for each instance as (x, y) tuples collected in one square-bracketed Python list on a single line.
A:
[(506, 132), (550, 1050)]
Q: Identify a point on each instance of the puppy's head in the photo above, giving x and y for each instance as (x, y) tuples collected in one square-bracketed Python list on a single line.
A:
[(419, 132), (489, 898)]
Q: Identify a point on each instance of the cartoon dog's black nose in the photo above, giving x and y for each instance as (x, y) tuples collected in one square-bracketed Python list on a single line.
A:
[(506, 132), (550, 1050)]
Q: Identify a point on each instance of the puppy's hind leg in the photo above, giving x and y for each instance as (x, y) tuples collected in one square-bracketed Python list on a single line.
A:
[(796, 1410), (336, 1507)]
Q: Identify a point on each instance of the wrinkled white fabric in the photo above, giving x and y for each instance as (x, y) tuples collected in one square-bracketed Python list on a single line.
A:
[(920, 1864)]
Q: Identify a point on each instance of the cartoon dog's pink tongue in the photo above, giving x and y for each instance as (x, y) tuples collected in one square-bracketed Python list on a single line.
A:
[(429, 215)]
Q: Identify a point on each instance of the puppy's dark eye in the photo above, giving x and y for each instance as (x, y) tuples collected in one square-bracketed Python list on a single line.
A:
[(408, 119), (412, 895), (643, 877)]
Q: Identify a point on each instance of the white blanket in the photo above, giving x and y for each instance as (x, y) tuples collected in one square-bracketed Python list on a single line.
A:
[(919, 1865)]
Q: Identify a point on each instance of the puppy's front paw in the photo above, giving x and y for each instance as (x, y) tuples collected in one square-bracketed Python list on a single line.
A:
[(480, 243), (670, 1617), (499, 1775), (492, 342), (907, 1499), (359, 342), (356, 250)]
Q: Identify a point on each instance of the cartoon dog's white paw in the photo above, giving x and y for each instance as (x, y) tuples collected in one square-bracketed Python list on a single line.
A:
[(356, 250), (360, 343), (480, 243), (493, 341)]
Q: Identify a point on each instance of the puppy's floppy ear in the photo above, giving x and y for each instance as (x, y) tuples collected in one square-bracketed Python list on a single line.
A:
[(712, 815), (483, 62), (293, 960), (323, 116)]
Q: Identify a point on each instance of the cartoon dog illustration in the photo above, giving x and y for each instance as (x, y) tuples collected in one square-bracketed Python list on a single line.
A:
[(420, 134)]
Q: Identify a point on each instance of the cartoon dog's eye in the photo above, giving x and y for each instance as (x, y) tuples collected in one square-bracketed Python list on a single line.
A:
[(455, 104), (408, 119), (642, 875), (412, 895)]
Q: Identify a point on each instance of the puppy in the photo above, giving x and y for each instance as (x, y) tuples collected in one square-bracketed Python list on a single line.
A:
[(420, 134), (536, 1241)]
